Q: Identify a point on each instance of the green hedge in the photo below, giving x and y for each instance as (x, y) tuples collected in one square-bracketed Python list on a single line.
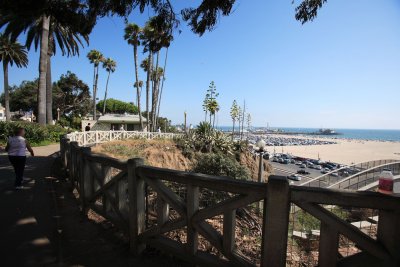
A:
[(36, 134)]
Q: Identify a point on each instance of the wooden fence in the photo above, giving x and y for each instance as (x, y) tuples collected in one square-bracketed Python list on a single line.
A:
[(97, 137), (149, 203)]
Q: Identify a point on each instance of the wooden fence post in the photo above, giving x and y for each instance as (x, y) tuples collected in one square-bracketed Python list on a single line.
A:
[(328, 246), (136, 191), (62, 149), (275, 222), (389, 234), (86, 177), (192, 207)]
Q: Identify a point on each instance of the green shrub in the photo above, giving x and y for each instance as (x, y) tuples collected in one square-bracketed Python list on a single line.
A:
[(219, 164), (205, 139), (36, 134)]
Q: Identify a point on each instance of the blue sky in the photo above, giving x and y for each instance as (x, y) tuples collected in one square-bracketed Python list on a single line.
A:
[(340, 71)]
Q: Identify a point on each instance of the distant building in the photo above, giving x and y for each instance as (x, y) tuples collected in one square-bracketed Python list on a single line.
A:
[(2, 113), (115, 122)]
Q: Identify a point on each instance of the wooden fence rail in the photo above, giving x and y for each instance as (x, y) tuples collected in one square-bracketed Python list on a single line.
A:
[(148, 203)]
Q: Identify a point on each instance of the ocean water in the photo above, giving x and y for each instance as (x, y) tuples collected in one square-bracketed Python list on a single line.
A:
[(363, 134)]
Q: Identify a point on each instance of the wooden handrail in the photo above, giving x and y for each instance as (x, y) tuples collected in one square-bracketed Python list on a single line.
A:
[(123, 197)]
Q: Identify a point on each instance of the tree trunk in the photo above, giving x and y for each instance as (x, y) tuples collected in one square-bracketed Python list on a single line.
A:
[(149, 70), (137, 86), (214, 120), (105, 94), (162, 84), (95, 92), (155, 96), (244, 111), (94, 80), (49, 93), (233, 129), (6, 91), (44, 47)]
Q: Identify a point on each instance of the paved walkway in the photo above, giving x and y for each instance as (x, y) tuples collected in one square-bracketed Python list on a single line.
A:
[(26, 226), (43, 226)]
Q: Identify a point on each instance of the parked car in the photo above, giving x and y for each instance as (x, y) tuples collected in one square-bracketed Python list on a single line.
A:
[(318, 167), (303, 172), (286, 161), (334, 174), (294, 177), (303, 166), (275, 159), (325, 170)]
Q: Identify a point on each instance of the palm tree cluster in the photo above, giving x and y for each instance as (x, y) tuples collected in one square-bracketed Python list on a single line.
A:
[(238, 114), (96, 58), (153, 37), (48, 24)]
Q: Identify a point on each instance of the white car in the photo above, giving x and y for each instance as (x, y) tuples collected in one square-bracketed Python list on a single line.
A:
[(302, 166), (334, 174), (294, 177), (318, 167)]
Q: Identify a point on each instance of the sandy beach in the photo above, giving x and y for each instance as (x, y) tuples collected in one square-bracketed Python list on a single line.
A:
[(345, 151)]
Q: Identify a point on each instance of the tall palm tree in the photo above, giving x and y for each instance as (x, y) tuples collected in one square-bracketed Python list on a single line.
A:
[(157, 75), (95, 57), (109, 64), (162, 83), (147, 67), (21, 17), (155, 35), (10, 53), (67, 40), (132, 33), (140, 84)]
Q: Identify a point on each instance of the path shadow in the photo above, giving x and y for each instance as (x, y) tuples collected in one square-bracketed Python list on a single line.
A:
[(26, 226)]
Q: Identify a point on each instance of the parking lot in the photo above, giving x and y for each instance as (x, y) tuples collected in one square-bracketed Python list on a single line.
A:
[(287, 168)]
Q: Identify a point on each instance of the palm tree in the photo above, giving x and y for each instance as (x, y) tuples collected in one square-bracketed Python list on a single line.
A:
[(155, 35), (157, 75), (132, 32), (18, 20), (109, 64), (140, 85), (147, 67), (213, 107), (95, 57), (10, 53), (68, 41)]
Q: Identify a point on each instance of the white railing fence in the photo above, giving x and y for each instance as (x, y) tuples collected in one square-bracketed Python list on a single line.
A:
[(97, 137)]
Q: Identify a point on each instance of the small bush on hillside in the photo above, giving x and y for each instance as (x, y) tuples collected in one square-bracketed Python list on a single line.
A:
[(36, 134), (220, 165), (205, 139)]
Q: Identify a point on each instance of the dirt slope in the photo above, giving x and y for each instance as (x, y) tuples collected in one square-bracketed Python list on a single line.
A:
[(166, 154)]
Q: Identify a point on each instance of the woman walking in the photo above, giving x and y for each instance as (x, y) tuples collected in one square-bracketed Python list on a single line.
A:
[(16, 148)]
